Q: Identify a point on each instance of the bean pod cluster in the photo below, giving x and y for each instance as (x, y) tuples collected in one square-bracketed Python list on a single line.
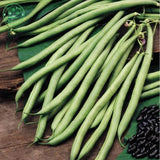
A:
[(146, 141), (89, 69)]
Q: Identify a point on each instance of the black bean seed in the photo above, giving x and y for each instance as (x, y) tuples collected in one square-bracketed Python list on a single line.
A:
[(132, 139), (140, 118), (136, 152), (152, 154), (147, 133), (141, 127), (131, 149), (156, 129), (141, 141), (140, 155), (143, 149), (151, 128), (152, 147), (144, 110), (150, 111), (139, 134), (157, 140), (154, 106), (153, 138), (149, 117), (157, 156), (144, 123), (157, 117), (145, 117), (150, 121), (156, 112)]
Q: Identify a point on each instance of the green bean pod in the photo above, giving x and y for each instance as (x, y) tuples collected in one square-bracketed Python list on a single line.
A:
[(151, 86), (79, 6), (57, 119), (150, 93), (138, 87), (153, 76)]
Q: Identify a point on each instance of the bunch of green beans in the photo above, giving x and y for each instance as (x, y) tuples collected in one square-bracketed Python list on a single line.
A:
[(90, 70)]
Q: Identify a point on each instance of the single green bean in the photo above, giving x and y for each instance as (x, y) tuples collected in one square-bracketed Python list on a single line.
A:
[(151, 86), (98, 106), (153, 76), (149, 16), (51, 32), (152, 10), (120, 64), (150, 93), (138, 87)]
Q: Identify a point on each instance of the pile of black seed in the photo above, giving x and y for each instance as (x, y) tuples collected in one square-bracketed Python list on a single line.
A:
[(146, 141)]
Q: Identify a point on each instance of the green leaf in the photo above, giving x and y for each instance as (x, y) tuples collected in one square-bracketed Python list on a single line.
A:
[(133, 128)]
